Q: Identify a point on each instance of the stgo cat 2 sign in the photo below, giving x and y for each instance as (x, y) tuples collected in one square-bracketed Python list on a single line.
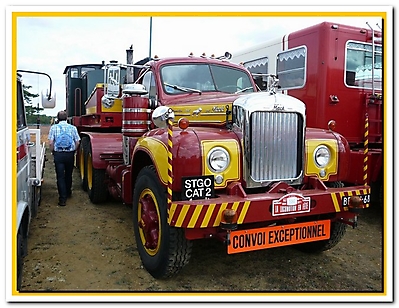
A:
[(200, 187)]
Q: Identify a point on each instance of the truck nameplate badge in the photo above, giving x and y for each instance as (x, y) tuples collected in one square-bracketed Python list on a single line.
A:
[(198, 187), (278, 236), (291, 204)]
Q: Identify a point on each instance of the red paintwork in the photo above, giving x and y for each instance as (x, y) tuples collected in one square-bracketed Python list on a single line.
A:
[(98, 120), (325, 77), (259, 211), (135, 122), (105, 147), (187, 160)]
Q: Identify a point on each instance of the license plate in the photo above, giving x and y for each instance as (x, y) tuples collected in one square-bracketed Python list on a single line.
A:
[(365, 199), (291, 204), (277, 236), (199, 187)]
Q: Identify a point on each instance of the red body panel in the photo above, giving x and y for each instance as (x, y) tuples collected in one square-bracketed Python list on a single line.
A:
[(105, 147), (325, 76)]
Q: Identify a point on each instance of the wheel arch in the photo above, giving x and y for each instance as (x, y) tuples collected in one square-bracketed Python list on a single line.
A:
[(147, 152), (23, 219), (110, 143)]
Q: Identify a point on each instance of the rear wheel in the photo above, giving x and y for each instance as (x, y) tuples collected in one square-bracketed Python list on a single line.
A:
[(337, 232), (164, 250), (83, 151), (96, 185), (36, 195)]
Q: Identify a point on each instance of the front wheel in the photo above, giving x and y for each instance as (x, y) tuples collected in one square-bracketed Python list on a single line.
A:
[(337, 232), (163, 250), (22, 248)]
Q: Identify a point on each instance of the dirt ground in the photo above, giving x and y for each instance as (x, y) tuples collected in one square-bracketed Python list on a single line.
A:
[(87, 247)]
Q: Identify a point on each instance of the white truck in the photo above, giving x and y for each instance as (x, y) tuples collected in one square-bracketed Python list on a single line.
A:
[(31, 157)]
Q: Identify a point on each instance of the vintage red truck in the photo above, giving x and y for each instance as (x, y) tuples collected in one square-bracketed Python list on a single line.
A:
[(337, 71), (199, 153)]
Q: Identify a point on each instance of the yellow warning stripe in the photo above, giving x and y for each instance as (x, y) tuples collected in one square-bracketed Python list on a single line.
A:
[(208, 215), (335, 202)]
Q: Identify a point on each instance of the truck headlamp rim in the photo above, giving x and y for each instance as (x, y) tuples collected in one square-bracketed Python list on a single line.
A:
[(218, 159), (322, 156)]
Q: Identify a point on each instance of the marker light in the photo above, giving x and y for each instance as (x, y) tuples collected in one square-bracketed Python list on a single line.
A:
[(228, 221), (183, 123), (332, 125), (355, 204)]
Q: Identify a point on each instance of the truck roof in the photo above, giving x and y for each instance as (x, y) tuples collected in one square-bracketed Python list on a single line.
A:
[(96, 65), (192, 59)]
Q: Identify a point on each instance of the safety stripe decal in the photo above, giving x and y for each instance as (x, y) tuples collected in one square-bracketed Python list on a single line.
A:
[(335, 201), (221, 209), (208, 215), (182, 215), (243, 212), (194, 217), (203, 216)]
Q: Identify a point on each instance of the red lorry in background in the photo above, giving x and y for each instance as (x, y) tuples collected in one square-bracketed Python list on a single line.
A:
[(200, 153), (337, 71)]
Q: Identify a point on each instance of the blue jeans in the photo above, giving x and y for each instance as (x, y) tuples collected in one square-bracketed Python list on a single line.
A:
[(64, 163)]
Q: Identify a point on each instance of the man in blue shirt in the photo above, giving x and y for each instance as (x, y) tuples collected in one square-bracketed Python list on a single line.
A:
[(63, 140)]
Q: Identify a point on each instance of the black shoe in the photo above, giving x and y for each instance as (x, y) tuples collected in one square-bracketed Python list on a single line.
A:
[(61, 203)]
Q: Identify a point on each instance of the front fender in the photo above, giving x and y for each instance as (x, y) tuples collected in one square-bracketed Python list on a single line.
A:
[(338, 146), (157, 151)]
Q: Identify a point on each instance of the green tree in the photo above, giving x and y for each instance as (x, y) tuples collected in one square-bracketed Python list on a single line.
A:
[(28, 96), (33, 115)]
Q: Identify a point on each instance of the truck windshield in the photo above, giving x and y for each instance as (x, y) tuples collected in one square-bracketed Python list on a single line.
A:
[(197, 78)]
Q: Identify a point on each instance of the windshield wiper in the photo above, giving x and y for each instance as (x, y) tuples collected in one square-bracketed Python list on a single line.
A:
[(183, 89), (243, 90)]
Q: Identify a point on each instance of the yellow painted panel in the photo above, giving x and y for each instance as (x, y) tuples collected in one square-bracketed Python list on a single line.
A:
[(232, 172), (311, 168)]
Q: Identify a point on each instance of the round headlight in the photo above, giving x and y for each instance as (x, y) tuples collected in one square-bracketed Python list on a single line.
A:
[(322, 156), (218, 159)]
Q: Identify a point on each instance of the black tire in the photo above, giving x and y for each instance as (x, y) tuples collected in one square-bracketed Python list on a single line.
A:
[(163, 250), (377, 193), (35, 200), (96, 185), (336, 184), (82, 164), (22, 245), (337, 232)]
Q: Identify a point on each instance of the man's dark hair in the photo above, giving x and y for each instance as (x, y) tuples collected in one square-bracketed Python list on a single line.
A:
[(62, 115)]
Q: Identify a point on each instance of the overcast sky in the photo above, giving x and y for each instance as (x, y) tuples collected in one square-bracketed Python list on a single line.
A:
[(49, 44)]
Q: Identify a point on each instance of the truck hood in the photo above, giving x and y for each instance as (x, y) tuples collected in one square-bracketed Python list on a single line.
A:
[(209, 108)]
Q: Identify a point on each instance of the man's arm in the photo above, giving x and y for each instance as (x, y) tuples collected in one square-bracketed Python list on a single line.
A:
[(51, 145), (77, 138), (51, 139)]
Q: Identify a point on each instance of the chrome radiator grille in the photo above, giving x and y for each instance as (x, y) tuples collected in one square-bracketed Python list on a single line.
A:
[(276, 146)]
